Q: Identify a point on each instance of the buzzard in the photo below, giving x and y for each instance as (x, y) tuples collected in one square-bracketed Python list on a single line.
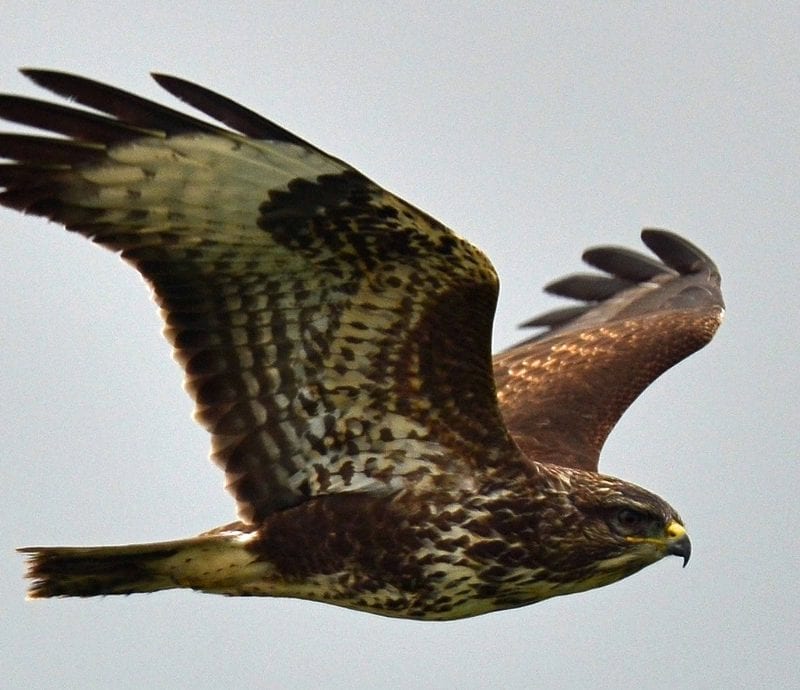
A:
[(336, 341)]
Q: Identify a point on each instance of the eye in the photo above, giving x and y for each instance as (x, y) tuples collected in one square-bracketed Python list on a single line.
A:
[(631, 519)]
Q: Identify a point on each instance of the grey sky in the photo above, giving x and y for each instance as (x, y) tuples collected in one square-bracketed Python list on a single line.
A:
[(532, 132)]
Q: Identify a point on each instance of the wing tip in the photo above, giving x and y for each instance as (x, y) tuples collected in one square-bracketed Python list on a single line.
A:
[(677, 252), (624, 268), (46, 77)]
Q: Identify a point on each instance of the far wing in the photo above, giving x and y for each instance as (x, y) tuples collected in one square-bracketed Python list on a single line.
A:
[(562, 391), (334, 337)]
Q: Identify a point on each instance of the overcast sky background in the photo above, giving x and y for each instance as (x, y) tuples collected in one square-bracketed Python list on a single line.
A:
[(532, 132)]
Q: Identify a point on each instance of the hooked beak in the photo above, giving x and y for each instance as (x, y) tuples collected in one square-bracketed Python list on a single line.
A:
[(678, 543)]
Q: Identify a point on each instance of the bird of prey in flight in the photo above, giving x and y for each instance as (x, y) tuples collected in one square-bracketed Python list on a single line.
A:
[(336, 342)]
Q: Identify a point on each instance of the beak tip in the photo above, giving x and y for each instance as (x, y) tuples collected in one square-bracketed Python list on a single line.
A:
[(681, 547)]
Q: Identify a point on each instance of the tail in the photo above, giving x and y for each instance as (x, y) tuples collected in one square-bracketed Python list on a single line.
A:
[(215, 562)]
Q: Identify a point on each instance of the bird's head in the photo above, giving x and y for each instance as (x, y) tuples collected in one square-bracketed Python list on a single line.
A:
[(582, 530), (615, 529)]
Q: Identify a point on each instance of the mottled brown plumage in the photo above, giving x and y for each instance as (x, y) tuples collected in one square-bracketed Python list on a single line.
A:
[(336, 341)]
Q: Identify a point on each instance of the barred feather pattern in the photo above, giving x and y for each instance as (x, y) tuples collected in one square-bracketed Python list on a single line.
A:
[(334, 337)]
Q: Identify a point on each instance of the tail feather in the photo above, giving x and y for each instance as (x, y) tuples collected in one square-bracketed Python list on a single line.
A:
[(208, 562)]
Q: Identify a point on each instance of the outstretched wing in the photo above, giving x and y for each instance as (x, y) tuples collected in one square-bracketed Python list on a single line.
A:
[(334, 337), (562, 391)]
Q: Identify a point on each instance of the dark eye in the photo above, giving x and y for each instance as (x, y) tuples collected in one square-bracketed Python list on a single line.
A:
[(630, 518)]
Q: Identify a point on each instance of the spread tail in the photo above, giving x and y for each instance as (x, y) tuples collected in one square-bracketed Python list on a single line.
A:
[(211, 562)]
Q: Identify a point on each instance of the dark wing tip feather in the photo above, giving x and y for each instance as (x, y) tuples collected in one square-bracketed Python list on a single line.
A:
[(134, 115), (626, 270), (588, 287), (28, 148), (624, 263), (71, 122), (225, 110), (556, 317), (133, 110), (678, 253)]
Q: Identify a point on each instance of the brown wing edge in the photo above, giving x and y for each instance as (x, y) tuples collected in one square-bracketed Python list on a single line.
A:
[(563, 390)]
